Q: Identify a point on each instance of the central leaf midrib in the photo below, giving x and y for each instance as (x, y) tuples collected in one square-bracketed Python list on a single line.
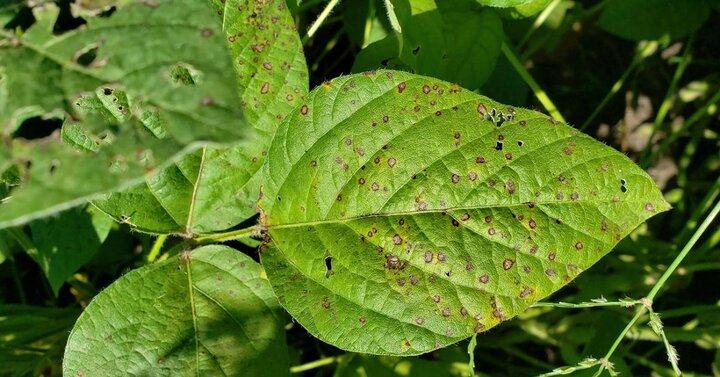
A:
[(269, 225)]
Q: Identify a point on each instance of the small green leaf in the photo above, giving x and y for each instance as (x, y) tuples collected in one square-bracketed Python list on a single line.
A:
[(458, 41), (406, 213), (67, 241), (208, 312), (217, 188), (103, 79), (653, 19)]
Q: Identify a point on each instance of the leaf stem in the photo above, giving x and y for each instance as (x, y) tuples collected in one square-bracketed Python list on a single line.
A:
[(642, 52), (661, 282), (231, 235), (669, 95), (706, 109), (313, 365), (541, 18), (591, 304), (156, 247), (321, 18), (530, 81), (18, 282)]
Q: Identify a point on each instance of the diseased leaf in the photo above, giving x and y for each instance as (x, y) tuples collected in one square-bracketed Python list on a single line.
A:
[(217, 188), (458, 41), (208, 312), (67, 241), (112, 80), (652, 19), (406, 213)]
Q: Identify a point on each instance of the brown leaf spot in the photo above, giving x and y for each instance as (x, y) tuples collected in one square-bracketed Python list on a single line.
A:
[(455, 178), (391, 161), (397, 240), (401, 87), (304, 110), (484, 278), (508, 263), (527, 291), (579, 245)]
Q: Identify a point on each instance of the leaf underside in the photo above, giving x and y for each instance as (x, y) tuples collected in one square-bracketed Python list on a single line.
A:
[(150, 322), (406, 213), (217, 188), (128, 61)]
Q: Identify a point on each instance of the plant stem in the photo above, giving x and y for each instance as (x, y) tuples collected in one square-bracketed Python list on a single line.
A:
[(541, 18), (18, 282), (669, 95), (530, 81), (697, 115), (229, 236), (156, 247), (663, 279), (321, 18), (313, 364), (568, 305), (641, 53)]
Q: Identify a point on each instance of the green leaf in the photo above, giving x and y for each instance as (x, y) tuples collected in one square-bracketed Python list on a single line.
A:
[(457, 41), (406, 213), (653, 19), (129, 57), (525, 10), (447, 362), (503, 3), (217, 188), (208, 312), (67, 241), (32, 337)]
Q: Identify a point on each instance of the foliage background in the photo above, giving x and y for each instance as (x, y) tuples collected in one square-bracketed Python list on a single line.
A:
[(590, 59)]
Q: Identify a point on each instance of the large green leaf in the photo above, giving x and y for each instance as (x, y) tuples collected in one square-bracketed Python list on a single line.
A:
[(406, 213), (209, 312), (458, 41), (116, 78), (652, 19), (67, 241), (217, 188)]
